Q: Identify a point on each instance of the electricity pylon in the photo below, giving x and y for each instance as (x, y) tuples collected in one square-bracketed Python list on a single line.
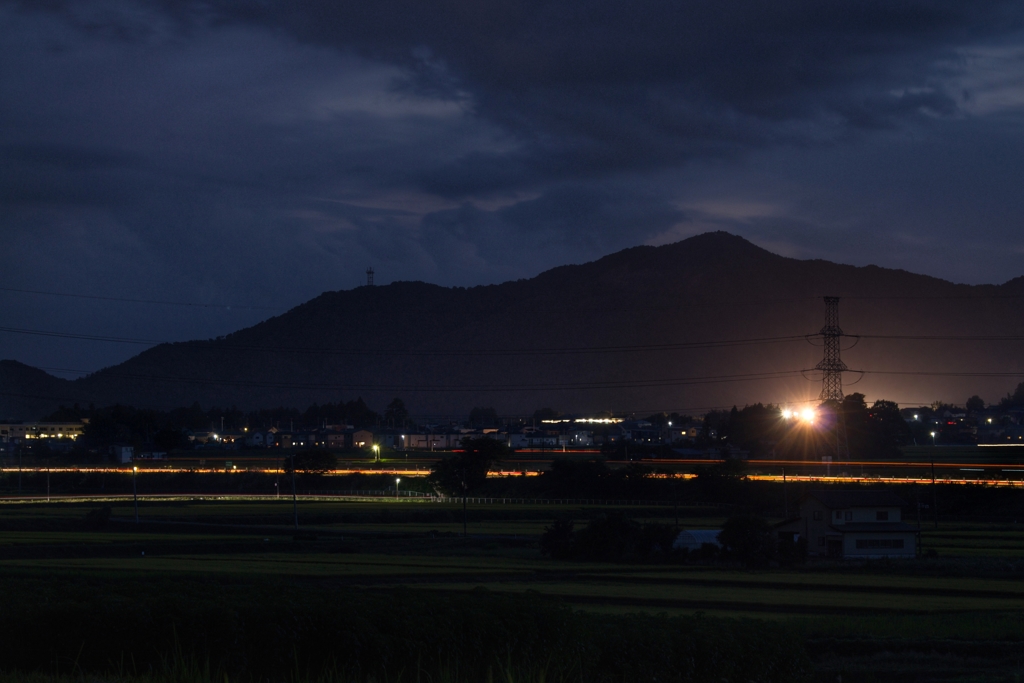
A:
[(832, 368)]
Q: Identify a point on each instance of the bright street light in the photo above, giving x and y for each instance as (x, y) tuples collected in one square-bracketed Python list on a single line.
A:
[(397, 479), (808, 415), (135, 492)]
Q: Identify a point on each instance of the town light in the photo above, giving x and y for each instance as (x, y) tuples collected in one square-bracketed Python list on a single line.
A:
[(786, 414), (808, 415)]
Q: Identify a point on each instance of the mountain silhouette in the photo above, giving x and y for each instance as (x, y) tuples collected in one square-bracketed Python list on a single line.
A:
[(635, 331)]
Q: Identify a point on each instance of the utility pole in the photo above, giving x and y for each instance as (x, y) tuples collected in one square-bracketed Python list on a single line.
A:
[(135, 491), (295, 498), (785, 498), (465, 534), (935, 507), (832, 368), (369, 277)]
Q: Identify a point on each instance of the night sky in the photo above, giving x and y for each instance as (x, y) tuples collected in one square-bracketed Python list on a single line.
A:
[(255, 154)]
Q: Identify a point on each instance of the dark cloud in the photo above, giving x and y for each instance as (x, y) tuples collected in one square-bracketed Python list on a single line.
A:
[(604, 86), (262, 152)]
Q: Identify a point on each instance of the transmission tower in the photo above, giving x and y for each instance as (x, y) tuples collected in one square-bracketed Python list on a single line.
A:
[(369, 277), (832, 368), (831, 365)]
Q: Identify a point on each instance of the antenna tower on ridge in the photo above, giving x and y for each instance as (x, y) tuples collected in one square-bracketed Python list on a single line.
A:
[(831, 365), (369, 277)]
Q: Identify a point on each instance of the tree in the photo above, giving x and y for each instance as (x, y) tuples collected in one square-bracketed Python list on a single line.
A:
[(889, 432), (396, 414), (975, 404), (750, 539), (170, 439), (466, 471), (556, 540), (483, 417), (311, 462), (542, 414), (1015, 399)]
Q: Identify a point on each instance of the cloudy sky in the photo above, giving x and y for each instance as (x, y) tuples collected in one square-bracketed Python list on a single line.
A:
[(256, 153)]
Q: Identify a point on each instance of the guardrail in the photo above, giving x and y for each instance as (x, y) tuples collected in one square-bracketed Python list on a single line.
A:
[(480, 500)]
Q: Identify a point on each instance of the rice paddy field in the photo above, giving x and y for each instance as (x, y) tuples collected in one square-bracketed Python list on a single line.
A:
[(954, 614)]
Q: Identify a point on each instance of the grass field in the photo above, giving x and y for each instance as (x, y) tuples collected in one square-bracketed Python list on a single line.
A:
[(953, 617)]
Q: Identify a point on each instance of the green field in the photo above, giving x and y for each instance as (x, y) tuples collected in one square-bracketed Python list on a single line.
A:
[(953, 616)]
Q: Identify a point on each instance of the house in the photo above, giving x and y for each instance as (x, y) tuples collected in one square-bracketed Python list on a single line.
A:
[(15, 432), (694, 539), (580, 437), (123, 454), (259, 440), (852, 524), (533, 438), (361, 438)]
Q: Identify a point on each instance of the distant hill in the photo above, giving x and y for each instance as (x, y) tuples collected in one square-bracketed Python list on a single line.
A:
[(445, 350)]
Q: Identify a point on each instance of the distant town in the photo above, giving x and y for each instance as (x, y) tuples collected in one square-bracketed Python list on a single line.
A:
[(123, 434)]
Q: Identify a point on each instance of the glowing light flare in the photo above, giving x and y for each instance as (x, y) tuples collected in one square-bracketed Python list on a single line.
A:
[(808, 415)]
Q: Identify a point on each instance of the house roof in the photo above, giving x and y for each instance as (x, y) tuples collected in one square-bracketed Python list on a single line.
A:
[(873, 527), (694, 538), (857, 499)]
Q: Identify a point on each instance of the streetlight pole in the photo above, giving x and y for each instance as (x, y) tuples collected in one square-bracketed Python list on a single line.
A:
[(785, 498), (465, 534), (935, 508), (135, 492), (397, 479), (295, 498)]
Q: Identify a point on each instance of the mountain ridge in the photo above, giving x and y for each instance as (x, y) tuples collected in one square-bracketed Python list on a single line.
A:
[(713, 286)]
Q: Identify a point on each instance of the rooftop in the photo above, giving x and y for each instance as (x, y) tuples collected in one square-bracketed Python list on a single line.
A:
[(858, 499)]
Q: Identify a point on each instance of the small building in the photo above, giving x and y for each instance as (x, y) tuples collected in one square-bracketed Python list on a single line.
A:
[(852, 524), (123, 454), (16, 432), (361, 438), (695, 539), (259, 439)]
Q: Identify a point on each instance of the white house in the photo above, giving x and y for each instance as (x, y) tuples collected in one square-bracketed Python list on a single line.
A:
[(853, 524)]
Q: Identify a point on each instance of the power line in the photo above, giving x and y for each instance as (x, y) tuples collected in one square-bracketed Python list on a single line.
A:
[(553, 386), (624, 348), (926, 373), (86, 337), (222, 346), (140, 301), (942, 337)]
